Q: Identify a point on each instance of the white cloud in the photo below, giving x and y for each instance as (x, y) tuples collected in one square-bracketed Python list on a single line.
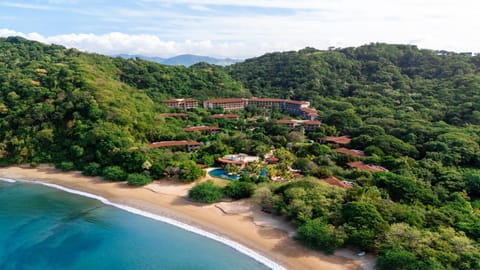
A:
[(164, 32), (25, 6), (148, 45)]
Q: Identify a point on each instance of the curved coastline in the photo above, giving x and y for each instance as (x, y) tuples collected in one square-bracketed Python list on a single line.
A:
[(8, 180), (266, 242), (237, 246)]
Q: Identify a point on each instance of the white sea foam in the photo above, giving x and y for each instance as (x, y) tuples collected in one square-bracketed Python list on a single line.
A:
[(8, 180), (240, 248)]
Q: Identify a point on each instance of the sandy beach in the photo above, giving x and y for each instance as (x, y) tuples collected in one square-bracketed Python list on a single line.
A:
[(238, 221)]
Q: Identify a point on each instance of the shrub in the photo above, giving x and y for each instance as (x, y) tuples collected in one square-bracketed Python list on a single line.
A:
[(114, 173), (319, 235), (92, 169), (189, 172), (138, 179), (66, 166), (157, 171), (206, 192), (239, 189)]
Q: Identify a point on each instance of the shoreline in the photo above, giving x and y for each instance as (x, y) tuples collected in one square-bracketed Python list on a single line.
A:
[(265, 242)]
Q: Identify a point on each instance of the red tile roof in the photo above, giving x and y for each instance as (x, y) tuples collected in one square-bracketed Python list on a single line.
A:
[(365, 167), (286, 121), (350, 152), (336, 182), (338, 140), (272, 160), (267, 99), (201, 128), (225, 100), (173, 143), (311, 122)]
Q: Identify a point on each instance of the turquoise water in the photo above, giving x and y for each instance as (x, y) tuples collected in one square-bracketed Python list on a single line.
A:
[(45, 228), (221, 173)]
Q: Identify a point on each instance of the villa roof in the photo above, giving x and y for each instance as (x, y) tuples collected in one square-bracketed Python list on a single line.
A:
[(350, 152), (272, 159), (224, 100), (286, 121), (365, 167), (336, 182), (312, 122), (267, 99), (338, 140), (173, 143), (308, 110), (238, 159), (201, 128)]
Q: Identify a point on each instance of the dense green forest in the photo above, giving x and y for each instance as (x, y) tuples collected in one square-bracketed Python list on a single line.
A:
[(415, 112)]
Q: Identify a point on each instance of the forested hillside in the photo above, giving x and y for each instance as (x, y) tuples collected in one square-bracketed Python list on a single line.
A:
[(414, 112), (62, 105)]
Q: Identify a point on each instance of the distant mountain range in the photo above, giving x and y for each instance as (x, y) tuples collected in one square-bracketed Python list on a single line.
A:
[(185, 59)]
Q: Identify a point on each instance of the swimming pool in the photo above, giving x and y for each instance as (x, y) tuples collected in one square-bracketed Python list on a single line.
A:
[(221, 173)]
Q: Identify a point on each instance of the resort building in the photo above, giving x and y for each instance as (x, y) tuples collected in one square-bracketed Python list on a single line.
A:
[(182, 103), (265, 102), (288, 123), (339, 183), (365, 167), (201, 129), (350, 152), (238, 159), (309, 113), (228, 104), (189, 145), (342, 140), (272, 160), (293, 107), (310, 125)]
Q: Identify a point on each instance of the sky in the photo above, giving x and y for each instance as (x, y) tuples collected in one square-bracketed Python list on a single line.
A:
[(241, 28)]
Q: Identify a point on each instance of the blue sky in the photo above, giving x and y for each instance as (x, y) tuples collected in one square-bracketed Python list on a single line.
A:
[(240, 29)]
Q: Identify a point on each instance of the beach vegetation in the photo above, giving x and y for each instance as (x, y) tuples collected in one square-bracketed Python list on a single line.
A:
[(92, 169), (138, 179), (318, 234), (66, 166), (239, 189), (114, 173), (189, 172), (206, 192)]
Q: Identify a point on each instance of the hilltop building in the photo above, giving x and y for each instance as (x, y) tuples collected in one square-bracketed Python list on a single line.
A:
[(182, 103), (342, 140), (293, 107), (240, 160)]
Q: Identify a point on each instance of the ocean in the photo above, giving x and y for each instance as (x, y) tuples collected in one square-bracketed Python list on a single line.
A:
[(46, 228)]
